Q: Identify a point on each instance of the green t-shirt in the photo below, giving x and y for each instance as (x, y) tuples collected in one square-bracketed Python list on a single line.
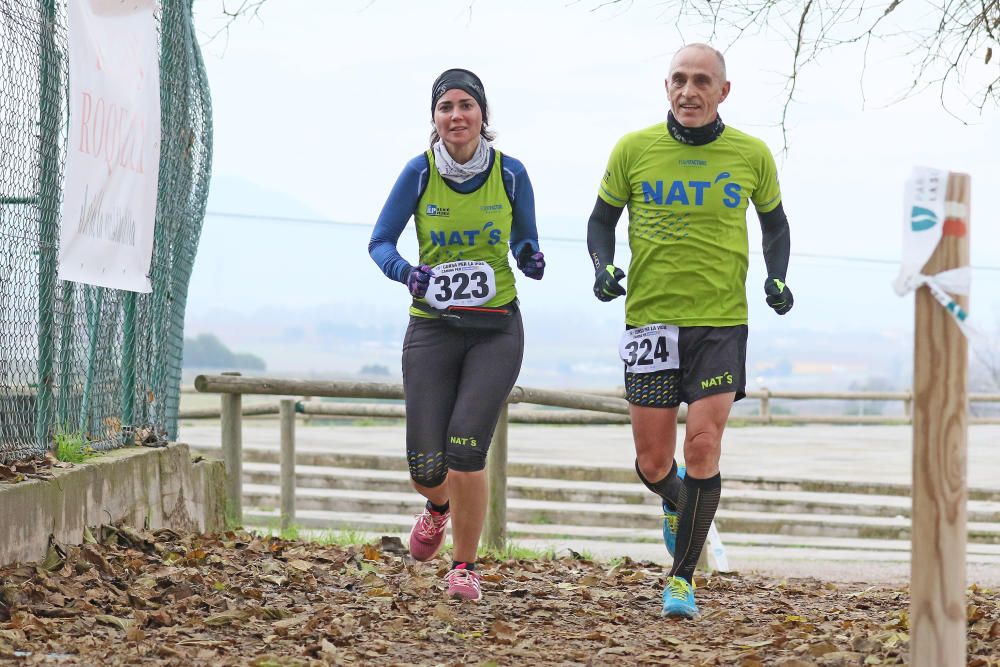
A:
[(452, 226), (687, 223)]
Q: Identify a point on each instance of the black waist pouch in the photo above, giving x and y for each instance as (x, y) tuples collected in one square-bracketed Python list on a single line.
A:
[(478, 317), (472, 317)]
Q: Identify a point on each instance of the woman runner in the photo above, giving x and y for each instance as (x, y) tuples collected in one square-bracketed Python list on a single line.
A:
[(463, 346)]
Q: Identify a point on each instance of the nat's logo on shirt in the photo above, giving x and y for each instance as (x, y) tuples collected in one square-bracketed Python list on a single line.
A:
[(691, 193), (433, 209), (466, 237)]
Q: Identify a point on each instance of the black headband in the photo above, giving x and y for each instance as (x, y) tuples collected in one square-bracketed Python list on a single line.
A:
[(462, 79)]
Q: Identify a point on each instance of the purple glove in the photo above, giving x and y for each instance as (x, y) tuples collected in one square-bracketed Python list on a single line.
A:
[(531, 264), (418, 280)]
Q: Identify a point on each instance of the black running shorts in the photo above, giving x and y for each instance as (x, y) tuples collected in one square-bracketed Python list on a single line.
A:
[(711, 360)]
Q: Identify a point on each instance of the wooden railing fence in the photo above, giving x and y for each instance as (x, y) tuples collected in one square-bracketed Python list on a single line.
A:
[(580, 408)]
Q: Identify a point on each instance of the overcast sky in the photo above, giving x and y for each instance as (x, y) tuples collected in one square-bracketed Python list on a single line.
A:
[(322, 103)]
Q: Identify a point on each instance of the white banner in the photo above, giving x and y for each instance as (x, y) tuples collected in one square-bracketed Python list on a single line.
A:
[(113, 155), (924, 214), (923, 223)]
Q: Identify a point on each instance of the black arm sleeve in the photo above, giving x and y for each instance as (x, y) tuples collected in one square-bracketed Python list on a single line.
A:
[(601, 233), (776, 241)]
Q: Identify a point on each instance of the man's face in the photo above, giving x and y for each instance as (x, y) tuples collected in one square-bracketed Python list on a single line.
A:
[(696, 86)]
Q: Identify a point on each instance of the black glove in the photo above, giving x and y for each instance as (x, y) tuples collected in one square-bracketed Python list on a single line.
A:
[(779, 296), (532, 264), (606, 285)]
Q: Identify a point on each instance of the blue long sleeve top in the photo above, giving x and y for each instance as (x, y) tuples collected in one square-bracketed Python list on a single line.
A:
[(410, 186)]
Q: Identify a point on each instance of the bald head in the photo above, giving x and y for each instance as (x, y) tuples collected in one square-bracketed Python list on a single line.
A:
[(705, 49), (697, 85)]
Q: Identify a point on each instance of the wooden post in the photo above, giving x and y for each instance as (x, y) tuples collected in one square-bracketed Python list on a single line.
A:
[(232, 455), (287, 463), (306, 418), (940, 422), (765, 405), (908, 405), (495, 530)]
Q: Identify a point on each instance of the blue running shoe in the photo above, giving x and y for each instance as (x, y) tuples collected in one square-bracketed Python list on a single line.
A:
[(670, 521), (678, 599)]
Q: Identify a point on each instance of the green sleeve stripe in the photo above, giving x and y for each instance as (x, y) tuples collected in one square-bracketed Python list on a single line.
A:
[(769, 205)]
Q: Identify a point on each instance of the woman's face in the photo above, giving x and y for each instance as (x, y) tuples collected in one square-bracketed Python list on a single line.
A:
[(458, 118)]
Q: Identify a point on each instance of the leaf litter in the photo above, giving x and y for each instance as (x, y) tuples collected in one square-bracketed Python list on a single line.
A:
[(161, 598)]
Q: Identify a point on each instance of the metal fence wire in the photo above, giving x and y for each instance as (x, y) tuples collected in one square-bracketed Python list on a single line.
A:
[(101, 363)]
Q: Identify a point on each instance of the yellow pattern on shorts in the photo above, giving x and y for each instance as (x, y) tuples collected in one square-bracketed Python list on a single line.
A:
[(652, 389)]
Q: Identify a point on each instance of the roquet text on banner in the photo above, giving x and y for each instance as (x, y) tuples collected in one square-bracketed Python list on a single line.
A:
[(113, 151)]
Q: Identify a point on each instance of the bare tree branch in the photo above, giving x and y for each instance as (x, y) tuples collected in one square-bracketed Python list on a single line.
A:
[(794, 77), (233, 12), (949, 45)]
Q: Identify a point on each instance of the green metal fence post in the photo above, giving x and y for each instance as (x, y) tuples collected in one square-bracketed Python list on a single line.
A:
[(128, 366), (50, 93), (65, 358), (94, 305)]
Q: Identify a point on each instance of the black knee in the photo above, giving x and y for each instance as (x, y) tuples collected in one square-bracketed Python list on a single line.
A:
[(428, 470), (467, 453)]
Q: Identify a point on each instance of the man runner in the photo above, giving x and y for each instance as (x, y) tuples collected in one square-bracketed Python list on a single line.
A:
[(687, 184)]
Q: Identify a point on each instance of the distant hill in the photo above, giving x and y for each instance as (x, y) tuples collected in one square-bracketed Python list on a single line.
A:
[(207, 351)]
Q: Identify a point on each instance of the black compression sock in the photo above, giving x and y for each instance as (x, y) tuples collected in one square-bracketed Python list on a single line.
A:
[(440, 509), (699, 502), (468, 566), (668, 488)]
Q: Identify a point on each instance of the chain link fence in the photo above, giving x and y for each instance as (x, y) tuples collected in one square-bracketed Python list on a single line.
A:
[(90, 361)]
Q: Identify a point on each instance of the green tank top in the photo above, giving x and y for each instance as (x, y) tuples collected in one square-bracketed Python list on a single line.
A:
[(453, 227)]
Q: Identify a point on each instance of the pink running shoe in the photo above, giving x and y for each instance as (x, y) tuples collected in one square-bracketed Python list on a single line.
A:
[(464, 584), (428, 533)]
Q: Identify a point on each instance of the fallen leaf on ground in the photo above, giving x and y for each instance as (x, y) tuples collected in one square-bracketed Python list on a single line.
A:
[(162, 597)]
